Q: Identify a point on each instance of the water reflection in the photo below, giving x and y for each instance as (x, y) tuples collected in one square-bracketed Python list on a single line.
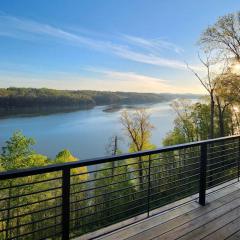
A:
[(85, 133)]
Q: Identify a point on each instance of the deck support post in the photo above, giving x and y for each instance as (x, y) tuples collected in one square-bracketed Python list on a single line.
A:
[(149, 185), (65, 203), (203, 174), (238, 161)]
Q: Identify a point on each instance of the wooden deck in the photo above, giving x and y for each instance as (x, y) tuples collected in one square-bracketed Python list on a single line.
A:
[(219, 219)]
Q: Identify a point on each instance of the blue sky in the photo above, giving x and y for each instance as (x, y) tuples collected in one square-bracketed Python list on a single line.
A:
[(125, 45)]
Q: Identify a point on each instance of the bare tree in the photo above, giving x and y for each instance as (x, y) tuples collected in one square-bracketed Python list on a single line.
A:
[(113, 149), (209, 85), (223, 37), (138, 128)]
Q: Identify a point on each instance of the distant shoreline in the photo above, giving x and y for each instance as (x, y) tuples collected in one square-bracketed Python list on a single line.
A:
[(31, 101)]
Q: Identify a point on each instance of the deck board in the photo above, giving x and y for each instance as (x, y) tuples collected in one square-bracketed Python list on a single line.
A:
[(226, 231), (184, 220), (197, 222), (212, 226), (235, 236), (219, 219)]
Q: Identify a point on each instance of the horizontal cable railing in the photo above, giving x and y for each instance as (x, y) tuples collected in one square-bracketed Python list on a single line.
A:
[(72, 199)]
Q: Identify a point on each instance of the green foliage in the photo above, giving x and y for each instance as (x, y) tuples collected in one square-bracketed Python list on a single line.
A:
[(174, 137), (192, 123), (65, 156), (49, 99), (30, 197), (18, 153)]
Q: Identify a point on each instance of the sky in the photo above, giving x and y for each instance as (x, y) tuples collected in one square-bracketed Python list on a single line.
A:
[(108, 45)]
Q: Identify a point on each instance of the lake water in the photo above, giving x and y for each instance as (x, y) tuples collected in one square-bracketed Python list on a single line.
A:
[(85, 133)]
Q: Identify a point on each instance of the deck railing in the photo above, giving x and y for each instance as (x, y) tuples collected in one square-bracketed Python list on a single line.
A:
[(68, 200)]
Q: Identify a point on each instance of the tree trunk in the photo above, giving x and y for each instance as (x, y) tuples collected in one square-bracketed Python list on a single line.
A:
[(220, 119), (212, 104)]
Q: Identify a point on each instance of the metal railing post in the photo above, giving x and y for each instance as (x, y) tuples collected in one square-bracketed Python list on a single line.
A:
[(238, 161), (149, 185), (203, 174), (65, 203)]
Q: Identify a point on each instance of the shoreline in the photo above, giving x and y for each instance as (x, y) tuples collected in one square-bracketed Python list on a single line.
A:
[(31, 112)]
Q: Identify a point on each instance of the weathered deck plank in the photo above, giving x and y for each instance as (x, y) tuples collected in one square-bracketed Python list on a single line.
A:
[(182, 223), (235, 236), (225, 231), (219, 219), (199, 221), (212, 226)]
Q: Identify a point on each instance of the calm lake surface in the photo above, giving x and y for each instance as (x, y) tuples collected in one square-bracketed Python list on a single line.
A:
[(85, 133)]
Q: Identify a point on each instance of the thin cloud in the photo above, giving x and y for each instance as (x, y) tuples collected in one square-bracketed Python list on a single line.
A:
[(137, 50), (151, 59), (131, 81), (125, 76), (106, 80), (17, 28), (153, 44)]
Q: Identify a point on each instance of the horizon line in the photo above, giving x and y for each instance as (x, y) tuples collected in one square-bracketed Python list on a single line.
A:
[(91, 90)]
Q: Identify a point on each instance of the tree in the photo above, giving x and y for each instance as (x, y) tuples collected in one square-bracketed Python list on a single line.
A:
[(191, 123), (66, 156), (222, 40), (138, 128), (182, 108), (18, 153), (113, 149), (114, 194), (209, 85), (209, 82), (227, 96), (223, 36)]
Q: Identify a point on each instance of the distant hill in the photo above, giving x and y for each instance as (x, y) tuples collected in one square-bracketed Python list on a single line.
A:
[(43, 98)]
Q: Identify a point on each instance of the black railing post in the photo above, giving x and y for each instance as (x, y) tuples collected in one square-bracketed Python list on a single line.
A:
[(203, 174), (238, 159), (65, 203), (149, 185)]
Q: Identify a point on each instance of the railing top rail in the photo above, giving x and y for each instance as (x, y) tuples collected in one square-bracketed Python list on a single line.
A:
[(88, 162)]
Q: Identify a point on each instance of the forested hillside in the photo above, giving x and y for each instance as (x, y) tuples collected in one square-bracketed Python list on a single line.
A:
[(17, 98)]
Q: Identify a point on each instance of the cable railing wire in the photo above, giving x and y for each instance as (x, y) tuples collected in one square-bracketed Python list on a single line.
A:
[(57, 202)]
